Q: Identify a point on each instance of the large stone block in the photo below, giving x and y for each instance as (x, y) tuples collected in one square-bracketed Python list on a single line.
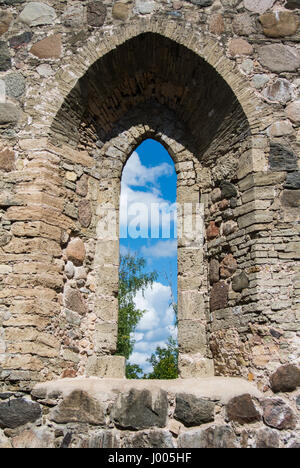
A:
[(156, 438), (279, 58), (192, 336), (193, 411), (106, 366), (18, 412), (219, 296), (79, 407), (241, 409), (212, 437), (37, 14), (279, 24), (277, 414), (141, 409), (285, 379)]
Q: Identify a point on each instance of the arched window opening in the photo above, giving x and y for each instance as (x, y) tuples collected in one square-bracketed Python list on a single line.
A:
[(147, 328)]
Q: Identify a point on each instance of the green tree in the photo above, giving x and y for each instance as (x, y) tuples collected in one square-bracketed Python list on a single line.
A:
[(165, 361), (132, 279), (134, 371)]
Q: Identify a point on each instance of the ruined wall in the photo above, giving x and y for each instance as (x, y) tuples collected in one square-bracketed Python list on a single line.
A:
[(82, 84)]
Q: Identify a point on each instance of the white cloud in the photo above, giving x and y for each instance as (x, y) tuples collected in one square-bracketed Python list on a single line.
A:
[(135, 174), (162, 249)]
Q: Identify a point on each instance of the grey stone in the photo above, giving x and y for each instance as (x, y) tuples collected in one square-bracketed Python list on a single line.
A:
[(145, 7), (293, 112), (72, 317), (37, 14), (285, 379), (157, 438), (241, 409), (18, 412), (5, 60), (230, 3), (15, 85), (267, 438), (75, 301), (104, 439), (279, 58), (202, 3), (260, 80), (214, 271), (292, 4), (228, 190), (292, 181), (79, 407), (11, 2), (282, 159), (69, 270), (280, 90), (193, 411), (84, 213), (17, 41), (277, 414), (141, 409), (240, 282), (219, 296), (96, 13), (243, 24), (45, 70), (9, 113), (298, 402), (291, 198), (73, 17), (247, 66), (212, 437), (258, 6)]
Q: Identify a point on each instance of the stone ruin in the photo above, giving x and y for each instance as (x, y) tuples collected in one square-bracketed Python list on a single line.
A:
[(82, 84)]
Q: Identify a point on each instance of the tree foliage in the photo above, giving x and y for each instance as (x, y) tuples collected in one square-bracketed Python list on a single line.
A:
[(165, 361), (132, 279)]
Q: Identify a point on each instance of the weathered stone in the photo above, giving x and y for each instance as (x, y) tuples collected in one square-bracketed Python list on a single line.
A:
[(281, 159), (50, 47), (216, 24), (285, 379), (239, 47), (258, 6), (45, 70), (74, 16), (96, 13), (75, 251), (292, 181), (212, 231), (279, 24), (247, 66), (74, 301), (82, 185), (216, 195), (84, 213), (241, 409), (5, 20), (18, 41), (79, 407), (14, 85), (214, 271), (260, 80), (228, 266), (243, 24), (157, 438), (7, 160), (219, 296), (293, 112), (193, 411), (5, 60), (18, 412), (69, 270), (33, 438), (141, 409), (145, 7), (267, 438), (279, 58), (292, 4), (121, 11), (280, 90), (298, 402), (212, 437), (276, 413), (278, 129), (110, 367), (228, 190), (37, 14), (228, 228), (240, 282), (106, 439), (9, 113)]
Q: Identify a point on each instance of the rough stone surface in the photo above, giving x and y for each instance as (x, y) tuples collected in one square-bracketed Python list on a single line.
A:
[(240, 47), (14, 85), (285, 379), (281, 159), (75, 251), (121, 11), (293, 112), (84, 213), (51, 47), (5, 20), (96, 13), (219, 296), (228, 266), (18, 412), (260, 80), (292, 181), (212, 231), (214, 271), (75, 301), (240, 282), (139, 409), (37, 14), (9, 113), (258, 6), (279, 24), (216, 24), (5, 60), (192, 411), (228, 190), (149, 439), (279, 57), (243, 24), (7, 160), (280, 91), (267, 438), (79, 407), (213, 437), (278, 414), (241, 409)]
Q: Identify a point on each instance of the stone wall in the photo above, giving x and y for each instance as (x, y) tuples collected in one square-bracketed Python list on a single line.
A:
[(82, 84), (216, 412)]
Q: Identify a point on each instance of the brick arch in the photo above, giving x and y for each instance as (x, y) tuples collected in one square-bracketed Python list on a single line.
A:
[(75, 66)]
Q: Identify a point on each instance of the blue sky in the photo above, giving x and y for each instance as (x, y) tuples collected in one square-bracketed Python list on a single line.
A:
[(149, 181)]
